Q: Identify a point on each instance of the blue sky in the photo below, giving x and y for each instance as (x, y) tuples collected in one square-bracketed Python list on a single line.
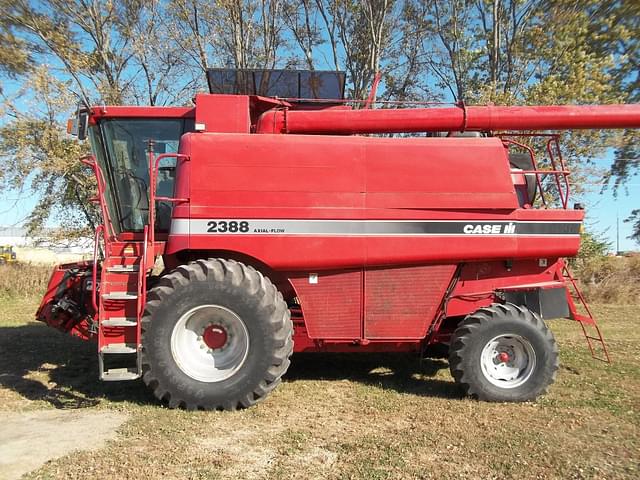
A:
[(603, 209)]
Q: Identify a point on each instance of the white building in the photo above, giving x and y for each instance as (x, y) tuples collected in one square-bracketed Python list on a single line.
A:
[(41, 250)]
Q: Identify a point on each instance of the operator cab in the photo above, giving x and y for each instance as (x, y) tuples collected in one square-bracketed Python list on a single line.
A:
[(121, 145)]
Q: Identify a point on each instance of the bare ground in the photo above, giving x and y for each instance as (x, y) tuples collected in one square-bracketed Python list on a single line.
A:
[(335, 416), (29, 439)]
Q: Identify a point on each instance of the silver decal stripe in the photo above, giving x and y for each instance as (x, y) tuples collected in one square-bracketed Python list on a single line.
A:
[(225, 226)]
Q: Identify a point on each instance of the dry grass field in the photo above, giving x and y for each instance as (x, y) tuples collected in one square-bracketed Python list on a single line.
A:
[(334, 416)]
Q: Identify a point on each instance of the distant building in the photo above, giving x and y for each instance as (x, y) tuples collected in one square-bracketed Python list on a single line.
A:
[(15, 236), (43, 250)]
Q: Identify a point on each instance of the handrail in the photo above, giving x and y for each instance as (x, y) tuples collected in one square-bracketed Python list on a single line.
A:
[(153, 176), (535, 167), (565, 174), (94, 273), (90, 160), (142, 278), (557, 171)]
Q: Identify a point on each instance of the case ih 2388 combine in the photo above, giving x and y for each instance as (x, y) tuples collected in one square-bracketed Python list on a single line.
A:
[(284, 226)]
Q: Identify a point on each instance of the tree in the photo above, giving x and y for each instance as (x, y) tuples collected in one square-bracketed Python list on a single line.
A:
[(364, 29), (300, 19), (634, 219), (38, 159), (234, 33), (98, 52), (15, 58), (616, 33), (592, 245)]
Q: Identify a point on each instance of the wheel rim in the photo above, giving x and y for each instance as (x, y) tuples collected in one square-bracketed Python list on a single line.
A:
[(210, 343), (508, 361)]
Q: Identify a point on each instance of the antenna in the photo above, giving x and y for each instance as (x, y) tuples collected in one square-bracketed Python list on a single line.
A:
[(617, 232)]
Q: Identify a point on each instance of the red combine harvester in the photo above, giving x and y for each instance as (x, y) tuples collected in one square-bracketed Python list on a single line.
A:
[(284, 226)]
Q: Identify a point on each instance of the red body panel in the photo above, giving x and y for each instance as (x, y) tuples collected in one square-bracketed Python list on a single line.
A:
[(478, 281), (402, 303), (235, 118), (354, 179), (377, 304), (332, 306)]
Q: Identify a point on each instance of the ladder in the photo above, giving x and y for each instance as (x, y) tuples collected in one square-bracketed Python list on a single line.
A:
[(122, 295), (119, 294), (587, 321)]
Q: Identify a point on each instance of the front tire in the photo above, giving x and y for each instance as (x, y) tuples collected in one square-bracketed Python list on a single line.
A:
[(216, 334), (503, 353)]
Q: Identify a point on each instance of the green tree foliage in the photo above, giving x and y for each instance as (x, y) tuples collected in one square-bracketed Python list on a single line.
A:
[(155, 52), (40, 158), (15, 58), (592, 245), (634, 219), (617, 35)]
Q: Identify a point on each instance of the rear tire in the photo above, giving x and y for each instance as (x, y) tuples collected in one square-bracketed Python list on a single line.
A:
[(216, 334), (503, 353)]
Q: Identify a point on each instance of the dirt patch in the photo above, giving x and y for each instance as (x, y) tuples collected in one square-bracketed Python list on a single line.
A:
[(29, 439), (241, 452), (254, 452)]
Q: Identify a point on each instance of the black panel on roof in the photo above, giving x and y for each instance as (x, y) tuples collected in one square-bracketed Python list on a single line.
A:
[(277, 83)]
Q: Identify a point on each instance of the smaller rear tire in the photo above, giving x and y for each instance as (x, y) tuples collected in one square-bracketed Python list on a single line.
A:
[(503, 353)]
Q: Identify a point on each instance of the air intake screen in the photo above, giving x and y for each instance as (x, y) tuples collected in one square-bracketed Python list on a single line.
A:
[(277, 83)]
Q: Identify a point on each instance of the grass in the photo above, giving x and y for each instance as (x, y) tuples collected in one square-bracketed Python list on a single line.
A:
[(338, 416)]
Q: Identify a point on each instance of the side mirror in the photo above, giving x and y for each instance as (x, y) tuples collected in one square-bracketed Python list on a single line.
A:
[(79, 126), (83, 124)]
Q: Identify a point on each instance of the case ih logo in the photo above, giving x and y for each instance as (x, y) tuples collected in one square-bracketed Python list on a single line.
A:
[(489, 229)]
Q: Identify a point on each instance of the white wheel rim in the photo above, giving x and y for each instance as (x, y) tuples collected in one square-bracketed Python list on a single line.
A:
[(199, 360), (508, 361)]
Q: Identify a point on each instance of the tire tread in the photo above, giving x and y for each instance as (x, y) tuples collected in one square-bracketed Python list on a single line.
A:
[(466, 333)]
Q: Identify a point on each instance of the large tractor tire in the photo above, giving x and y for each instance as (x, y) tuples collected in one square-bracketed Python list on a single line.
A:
[(503, 353), (216, 334)]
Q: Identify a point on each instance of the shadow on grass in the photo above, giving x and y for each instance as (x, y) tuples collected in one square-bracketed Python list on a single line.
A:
[(42, 364), (404, 373), (32, 354)]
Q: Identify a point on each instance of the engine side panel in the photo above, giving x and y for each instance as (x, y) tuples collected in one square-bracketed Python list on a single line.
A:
[(332, 304), (401, 303)]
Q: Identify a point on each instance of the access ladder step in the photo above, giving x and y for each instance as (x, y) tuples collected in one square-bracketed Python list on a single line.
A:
[(119, 374), (120, 322), (119, 348), (119, 296), (123, 269)]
